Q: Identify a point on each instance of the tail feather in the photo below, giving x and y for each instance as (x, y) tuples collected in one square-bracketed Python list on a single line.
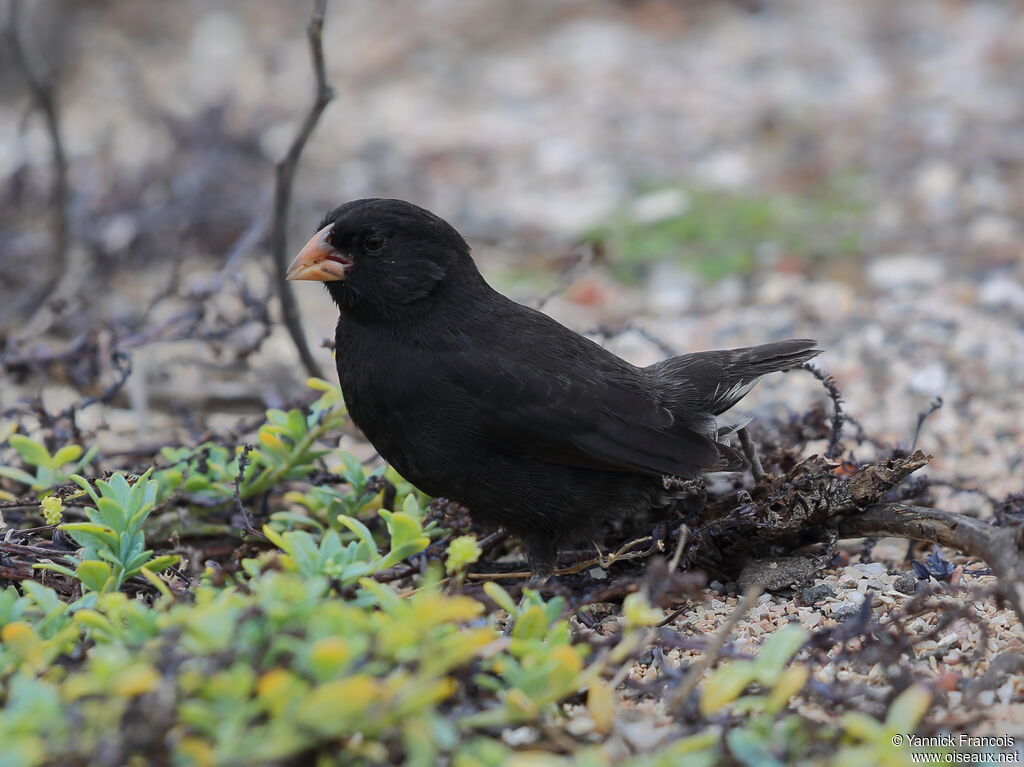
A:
[(716, 380)]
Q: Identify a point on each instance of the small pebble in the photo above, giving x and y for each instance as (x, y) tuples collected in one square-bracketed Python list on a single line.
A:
[(814, 594), (844, 609), (871, 570), (948, 682), (519, 736), (906, 584)]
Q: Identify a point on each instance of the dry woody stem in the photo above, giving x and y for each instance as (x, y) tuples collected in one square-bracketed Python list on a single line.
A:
[(285, 175), (42, 89)]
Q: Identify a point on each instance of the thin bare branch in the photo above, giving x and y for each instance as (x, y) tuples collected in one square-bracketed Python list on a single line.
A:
[(243, 461), (922, 417), (838, 416), (41, 88), (285, 179)]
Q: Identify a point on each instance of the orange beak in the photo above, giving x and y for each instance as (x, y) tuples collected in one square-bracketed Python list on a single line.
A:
[(318, 260)]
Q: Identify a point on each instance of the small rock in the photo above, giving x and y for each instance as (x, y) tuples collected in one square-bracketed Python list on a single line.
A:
[(844, 609), (948, 681), (905, 271), (931, 379), (992, 230), (725, 170), (870, 569), (660, 205), (818, 593), (119, 232), (1004, 666), (1002, 291), (936, 182), (906, 584), (643, 732), (777, 574), (520, 736), (580, 725)]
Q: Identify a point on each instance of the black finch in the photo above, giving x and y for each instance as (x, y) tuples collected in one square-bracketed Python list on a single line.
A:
[(496, 406)]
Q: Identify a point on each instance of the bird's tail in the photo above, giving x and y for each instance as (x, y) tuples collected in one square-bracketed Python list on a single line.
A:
[(715, 381)]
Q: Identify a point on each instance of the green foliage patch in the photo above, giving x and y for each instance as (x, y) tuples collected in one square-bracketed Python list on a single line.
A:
[(717, 233)]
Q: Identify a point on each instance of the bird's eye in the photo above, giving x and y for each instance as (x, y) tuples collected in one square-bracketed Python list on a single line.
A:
[(373, 243)]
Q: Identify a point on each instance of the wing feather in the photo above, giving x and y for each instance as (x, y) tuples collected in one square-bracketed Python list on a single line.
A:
[(603, 422)]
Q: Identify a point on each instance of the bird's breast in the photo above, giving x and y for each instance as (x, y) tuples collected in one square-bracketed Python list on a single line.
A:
[(402, 398)]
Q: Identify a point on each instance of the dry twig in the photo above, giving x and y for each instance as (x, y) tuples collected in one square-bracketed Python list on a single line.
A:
[(285, 171), (243, 462), (922, 417), (42, 90), (838, 416)]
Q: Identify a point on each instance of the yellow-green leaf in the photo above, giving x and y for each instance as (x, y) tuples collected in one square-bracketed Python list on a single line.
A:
[(329, 656), (94, 574), (462, 552), (601, 705), (335, 707), (725, 685), (908, 709), (31, 451), (500, 597), (67, 454), (790, 682), (136, 679), (157, 582), (638, 612)]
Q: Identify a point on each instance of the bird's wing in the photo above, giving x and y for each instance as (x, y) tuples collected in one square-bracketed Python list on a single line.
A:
[(597, 420)]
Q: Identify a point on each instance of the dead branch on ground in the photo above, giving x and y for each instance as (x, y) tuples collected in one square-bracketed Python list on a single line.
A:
[(1001, 548)]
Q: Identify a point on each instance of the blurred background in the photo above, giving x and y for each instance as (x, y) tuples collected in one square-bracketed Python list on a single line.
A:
[(668, 175)]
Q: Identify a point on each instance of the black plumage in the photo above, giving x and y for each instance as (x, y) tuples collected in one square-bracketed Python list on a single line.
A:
[(476, 398)]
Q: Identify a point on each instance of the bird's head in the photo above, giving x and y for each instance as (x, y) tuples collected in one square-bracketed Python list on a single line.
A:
[(377, 256)]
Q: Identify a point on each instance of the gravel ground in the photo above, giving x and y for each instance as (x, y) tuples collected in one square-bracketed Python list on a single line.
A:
[(525, 125)]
